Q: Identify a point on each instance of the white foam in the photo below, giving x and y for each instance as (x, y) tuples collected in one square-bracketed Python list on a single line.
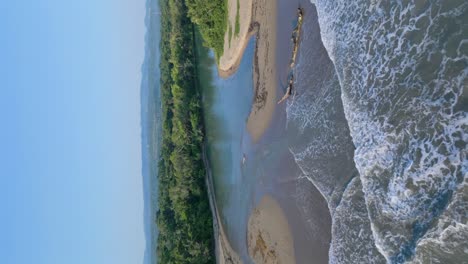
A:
[(402, 122)]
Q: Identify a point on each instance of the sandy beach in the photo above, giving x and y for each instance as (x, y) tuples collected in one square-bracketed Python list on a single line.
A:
[(269, 236), (234, 47), (279, 229), (256, 17)]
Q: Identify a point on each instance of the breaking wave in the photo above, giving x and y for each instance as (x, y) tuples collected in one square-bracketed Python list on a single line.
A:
[(402, 69)]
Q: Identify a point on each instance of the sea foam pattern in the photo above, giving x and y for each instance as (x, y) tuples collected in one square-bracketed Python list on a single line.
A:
[(316, 121), (352, 240), (402, 67), (323, 149)]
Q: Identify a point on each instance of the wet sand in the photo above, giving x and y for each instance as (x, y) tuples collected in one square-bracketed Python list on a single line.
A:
[(269, 237), (303, 205), (264, 15), (226, 255), (269, 169), (305, 208), (257, 17)]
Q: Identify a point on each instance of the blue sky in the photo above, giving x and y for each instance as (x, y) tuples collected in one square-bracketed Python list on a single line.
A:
[(70, 154)]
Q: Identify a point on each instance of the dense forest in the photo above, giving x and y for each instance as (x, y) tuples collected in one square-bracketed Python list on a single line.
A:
[(184, 218), (211, 18)]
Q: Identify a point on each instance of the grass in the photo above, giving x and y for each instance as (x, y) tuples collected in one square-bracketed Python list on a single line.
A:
[(230, 34), (237, 26)]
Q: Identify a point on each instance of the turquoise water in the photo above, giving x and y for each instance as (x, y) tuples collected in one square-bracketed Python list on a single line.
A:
[(226, 104)]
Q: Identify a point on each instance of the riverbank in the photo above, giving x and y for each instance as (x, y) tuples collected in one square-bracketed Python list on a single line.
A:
[(224, 112), (223, 250), (264, 15), (240, 13), (184, 217), (256, 17), (250, 160)]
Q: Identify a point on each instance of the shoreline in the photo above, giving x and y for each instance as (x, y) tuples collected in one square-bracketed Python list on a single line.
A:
[(257, 17), (274, 229), (265, 68), (269, 236), (234, 47), (224, 253)]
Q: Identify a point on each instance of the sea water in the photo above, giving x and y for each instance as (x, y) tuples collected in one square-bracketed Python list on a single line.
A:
[(320, 141), (401, 72)]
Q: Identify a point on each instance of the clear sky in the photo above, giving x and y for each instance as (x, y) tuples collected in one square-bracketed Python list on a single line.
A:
[(70, 154)]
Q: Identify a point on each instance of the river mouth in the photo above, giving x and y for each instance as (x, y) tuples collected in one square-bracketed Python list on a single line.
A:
[(244, 171), (401, 175)]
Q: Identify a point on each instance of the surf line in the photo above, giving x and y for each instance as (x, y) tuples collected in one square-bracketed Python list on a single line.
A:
[(295, 40)]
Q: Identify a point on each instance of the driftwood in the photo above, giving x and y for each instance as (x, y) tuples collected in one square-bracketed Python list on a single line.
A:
[(288, 91), (295, 40)]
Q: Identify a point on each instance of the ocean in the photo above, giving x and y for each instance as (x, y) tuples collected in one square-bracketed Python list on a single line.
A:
[(151, 125), (383, 107), (321, 144)]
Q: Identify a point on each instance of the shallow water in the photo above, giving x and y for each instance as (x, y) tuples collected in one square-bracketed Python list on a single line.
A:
[(226, 106), (269, 167), (321, 144)]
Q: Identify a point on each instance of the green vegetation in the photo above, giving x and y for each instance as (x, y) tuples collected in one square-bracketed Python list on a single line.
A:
[(237, 29), (230, 34), (184, 218), (211, 18)]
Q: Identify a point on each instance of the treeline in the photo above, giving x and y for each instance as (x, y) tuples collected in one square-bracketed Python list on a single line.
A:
[(184, 218), (211, 17)]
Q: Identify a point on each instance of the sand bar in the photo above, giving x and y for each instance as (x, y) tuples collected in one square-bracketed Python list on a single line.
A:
[(269, 237), (234, 47), (256, 17)]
